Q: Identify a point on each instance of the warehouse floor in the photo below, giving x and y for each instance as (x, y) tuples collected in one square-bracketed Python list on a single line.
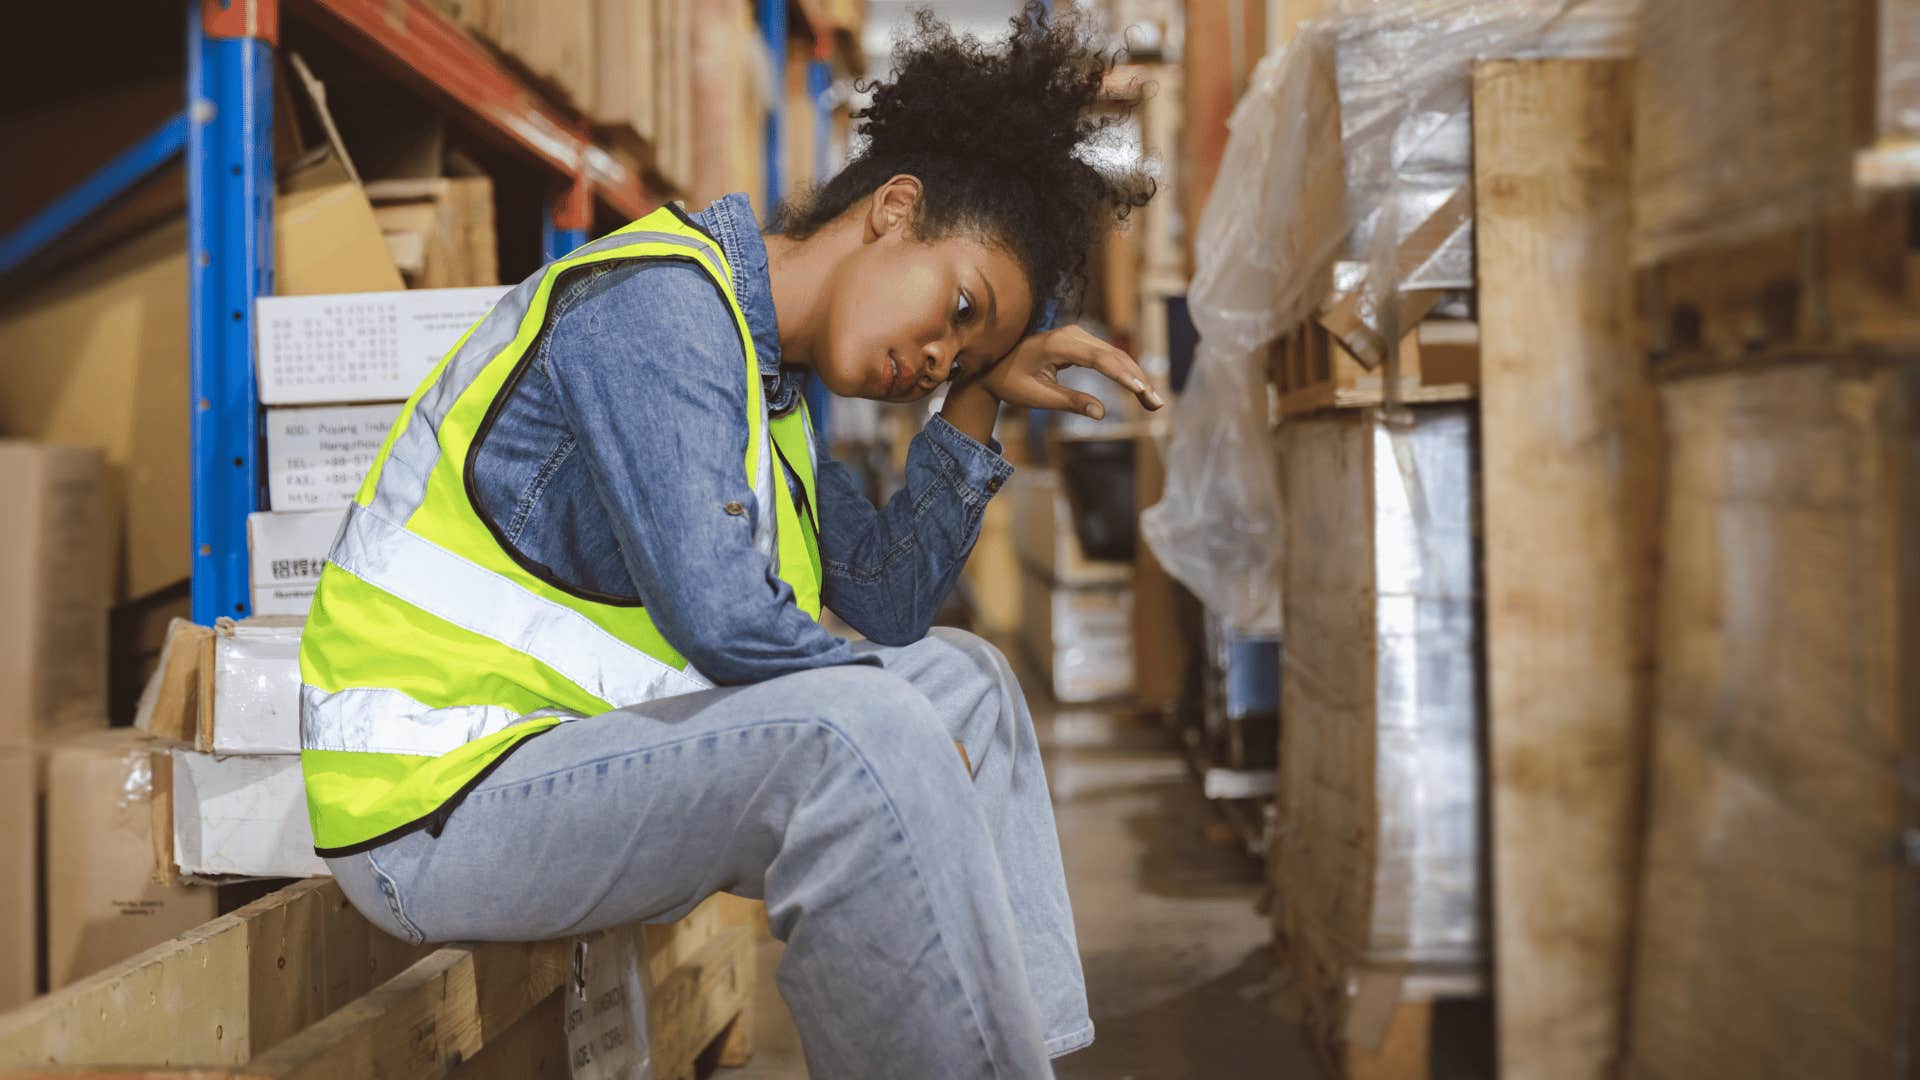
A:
[(1179, 972)]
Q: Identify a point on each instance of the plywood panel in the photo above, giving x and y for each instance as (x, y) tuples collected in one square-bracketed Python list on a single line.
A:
[(1569, 451)]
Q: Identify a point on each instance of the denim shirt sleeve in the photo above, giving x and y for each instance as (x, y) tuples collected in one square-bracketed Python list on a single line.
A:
[(650, 375), (889, 570)]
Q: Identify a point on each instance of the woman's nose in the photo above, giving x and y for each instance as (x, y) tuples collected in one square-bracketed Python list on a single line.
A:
[(939, 361)]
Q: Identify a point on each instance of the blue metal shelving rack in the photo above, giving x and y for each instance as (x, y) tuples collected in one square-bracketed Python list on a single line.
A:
[(225, 131)]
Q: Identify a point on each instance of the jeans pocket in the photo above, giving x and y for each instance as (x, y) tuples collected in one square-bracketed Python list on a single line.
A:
[(390, 892)]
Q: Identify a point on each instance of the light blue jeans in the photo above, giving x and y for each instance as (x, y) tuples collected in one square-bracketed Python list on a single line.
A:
[(925, 911)]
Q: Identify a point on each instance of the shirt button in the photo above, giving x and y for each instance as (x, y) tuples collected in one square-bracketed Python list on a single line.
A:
[(993, 485), (735, 509)]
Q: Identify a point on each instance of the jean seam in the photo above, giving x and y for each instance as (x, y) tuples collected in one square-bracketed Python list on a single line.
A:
[(391, 890), (542, 478)]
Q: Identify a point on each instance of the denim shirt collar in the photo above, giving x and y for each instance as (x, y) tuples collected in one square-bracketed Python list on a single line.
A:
[(730, 221)]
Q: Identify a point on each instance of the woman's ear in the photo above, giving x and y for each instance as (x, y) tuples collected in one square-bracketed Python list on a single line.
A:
[(892, 206)]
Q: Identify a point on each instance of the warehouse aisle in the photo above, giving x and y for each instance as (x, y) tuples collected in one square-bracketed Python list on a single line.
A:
[(1179, 972)]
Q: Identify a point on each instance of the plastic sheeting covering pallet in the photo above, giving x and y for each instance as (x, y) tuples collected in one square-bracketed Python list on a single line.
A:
[(1350, 151), (1377, 862)]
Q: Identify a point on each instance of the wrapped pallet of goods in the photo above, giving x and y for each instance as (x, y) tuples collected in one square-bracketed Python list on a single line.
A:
[(1379, 855), (1336, 293), (1774, 217)]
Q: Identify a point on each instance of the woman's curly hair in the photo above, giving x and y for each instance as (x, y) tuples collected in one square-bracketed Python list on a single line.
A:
[(997, 134)]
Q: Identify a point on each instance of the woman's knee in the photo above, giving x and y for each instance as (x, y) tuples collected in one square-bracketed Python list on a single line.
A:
[(979, 649), (882, 718)]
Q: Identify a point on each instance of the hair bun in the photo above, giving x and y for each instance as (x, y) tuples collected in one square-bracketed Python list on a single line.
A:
[(1026, 98)]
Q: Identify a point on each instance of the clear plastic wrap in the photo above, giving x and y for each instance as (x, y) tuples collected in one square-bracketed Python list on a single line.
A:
[(1899, 112), (1380, 690), (1350, 151), (1776, 930), (1747, 117)]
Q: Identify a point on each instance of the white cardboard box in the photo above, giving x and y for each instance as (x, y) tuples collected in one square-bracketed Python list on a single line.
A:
[(285, 551), (242, 815), (317, 350), (318, 455), (256, 688)]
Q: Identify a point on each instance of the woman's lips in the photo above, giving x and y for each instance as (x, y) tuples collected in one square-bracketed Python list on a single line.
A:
[(899, 381)]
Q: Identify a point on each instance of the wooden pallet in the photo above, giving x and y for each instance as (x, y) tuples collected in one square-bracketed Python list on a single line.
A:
[(1366, 1022), (298, 984), (1311, 369), (1843, 285)]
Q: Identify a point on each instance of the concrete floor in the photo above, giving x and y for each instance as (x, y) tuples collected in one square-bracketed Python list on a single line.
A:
[(1180, 977)]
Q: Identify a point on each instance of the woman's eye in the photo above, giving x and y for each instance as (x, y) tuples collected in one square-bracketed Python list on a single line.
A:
[(964, 309)]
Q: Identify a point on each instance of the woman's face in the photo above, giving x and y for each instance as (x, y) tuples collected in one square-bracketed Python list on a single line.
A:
[(905, 315)]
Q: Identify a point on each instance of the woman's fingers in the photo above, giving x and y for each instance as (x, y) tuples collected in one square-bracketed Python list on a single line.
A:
[(1084, 350), (1047, 394)]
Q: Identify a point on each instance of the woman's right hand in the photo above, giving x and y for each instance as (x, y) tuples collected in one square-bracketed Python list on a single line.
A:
[(1029, 375)]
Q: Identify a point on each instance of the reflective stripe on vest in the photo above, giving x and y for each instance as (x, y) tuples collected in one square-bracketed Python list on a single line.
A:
[(432, 650)]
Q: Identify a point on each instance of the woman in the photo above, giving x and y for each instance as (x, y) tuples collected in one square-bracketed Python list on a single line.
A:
[(564, 670)]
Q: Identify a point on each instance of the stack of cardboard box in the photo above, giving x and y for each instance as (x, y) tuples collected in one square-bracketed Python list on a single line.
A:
[(226, 703), (1076, 612), (333, 373), (75, 797), (52, 663)]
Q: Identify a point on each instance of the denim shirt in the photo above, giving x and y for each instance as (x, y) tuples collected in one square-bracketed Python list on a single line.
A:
[(614, 459)]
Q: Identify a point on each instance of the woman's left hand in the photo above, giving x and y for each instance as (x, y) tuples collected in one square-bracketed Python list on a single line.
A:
[(1029, 375)]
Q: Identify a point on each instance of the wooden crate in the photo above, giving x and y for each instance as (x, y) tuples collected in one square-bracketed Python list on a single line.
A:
[(1843, 284), (1376, 860), (298, 984), (1311, 369), (1768, 223), (1777, 915)]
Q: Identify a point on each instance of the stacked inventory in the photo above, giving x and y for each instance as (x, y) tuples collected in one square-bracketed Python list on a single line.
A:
[(1075, 606), (333, 372), (1773, 238), (1337, 257), (53, 645)]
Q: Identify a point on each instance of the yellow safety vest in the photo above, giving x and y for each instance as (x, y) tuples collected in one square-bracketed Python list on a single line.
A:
[(433, 649)]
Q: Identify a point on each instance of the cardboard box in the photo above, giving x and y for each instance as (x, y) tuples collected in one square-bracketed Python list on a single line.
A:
[(233, 688), (992, 572), (54, 576), (285, 551), (1081, 637), (552, 41), (19, 878), (317, 350), (169, 705), (244, 815), (98, 357), (102, 902), (249, 698), (439, 231), (625, 39), (317, 456)]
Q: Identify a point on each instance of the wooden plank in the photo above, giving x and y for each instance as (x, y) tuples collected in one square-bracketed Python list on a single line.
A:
[(1839, 285), (1776, 927), (533, 1049), (217, 995), (1402, 1054), (1313, 370), (692, 1007), (426, 1020), (1569, 439)]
